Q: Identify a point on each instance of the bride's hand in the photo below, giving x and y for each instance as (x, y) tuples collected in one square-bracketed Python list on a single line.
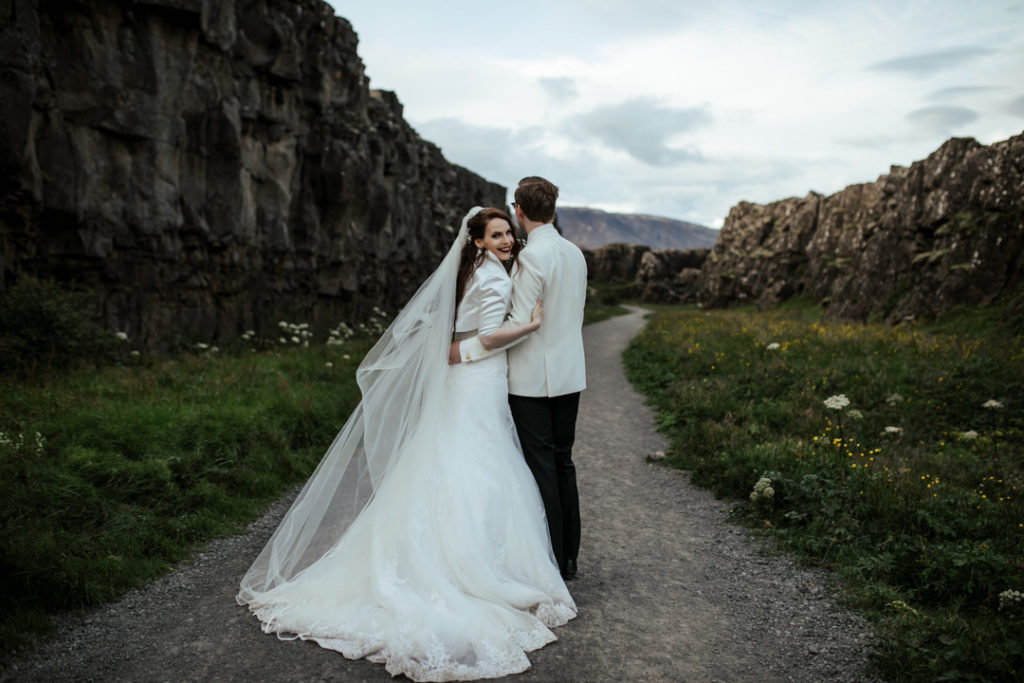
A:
[(537, 316)]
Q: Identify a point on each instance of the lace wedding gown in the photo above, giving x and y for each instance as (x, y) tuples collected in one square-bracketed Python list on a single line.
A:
[(447, 573)]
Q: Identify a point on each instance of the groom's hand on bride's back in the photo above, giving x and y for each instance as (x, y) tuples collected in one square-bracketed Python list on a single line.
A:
[(454, 354)]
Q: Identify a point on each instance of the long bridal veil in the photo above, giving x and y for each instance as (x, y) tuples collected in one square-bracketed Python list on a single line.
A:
[(402, 381)]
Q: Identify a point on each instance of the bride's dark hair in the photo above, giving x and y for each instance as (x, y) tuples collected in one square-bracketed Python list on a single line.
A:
[(472, 255)]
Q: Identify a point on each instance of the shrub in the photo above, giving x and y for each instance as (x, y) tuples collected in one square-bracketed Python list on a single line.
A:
[(45, 326)]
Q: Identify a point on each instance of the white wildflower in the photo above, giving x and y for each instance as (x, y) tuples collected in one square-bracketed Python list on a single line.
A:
[(774, 346), (892, 430), (202, 347), (992, 404), (837, 402), (123, 336), (346, 356), (135, 354), (1011, 601), (295, 340), (282, 340), (970, 435), (328, 364), (754, 496), (894, 398), (282, 324), (768, 492), (855, 414)]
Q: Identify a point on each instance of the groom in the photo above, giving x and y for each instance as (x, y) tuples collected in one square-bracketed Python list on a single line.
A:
[(546, 368)]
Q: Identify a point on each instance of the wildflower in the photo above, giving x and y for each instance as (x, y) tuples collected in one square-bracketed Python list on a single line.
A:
[(762, 489), (346, 356), (855, 414), (123, 336), (900, 606), (892, 430), (837, 402), (992, 404), (970, 435), (202, 347), (295, 340), (1011, 601), (214, 349), (329, 364), (281, 340), (774, 346), (135, 354), (894, 398)]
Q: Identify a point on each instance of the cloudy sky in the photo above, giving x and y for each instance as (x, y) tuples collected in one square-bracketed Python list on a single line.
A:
[(682, 109)]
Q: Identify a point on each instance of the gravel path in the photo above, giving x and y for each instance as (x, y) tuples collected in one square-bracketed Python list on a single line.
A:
[(667, 590)]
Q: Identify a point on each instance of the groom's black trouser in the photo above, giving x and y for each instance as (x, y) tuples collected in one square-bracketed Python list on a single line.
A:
[(547, 430)]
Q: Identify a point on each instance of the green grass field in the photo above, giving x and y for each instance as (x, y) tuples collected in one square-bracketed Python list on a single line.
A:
[(891, 455), (107, 476)]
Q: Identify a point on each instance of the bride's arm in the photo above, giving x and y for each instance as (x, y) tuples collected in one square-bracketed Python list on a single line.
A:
[(528, 291), (505, 335)]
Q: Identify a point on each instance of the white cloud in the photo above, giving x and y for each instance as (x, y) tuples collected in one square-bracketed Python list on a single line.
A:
[(932, 62), (561, 88), (642, 128), (684, 109), (942, 120)]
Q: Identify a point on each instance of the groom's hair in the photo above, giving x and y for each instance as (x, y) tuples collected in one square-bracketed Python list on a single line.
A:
[(536, 197)]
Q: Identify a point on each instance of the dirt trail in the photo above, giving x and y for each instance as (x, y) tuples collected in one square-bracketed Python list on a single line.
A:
[(667, 590)]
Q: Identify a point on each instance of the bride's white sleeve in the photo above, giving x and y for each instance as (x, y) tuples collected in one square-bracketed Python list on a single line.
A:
[(495, 292), (529, 288)]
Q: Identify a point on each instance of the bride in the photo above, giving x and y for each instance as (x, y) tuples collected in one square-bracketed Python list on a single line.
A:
[(420, 541)]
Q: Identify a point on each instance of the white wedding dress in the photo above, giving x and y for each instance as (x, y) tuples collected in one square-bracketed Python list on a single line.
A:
[(447, 572)]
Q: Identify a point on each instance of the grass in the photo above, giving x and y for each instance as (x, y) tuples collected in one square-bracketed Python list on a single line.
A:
[(912, 492), (604, 301), (135, 466)]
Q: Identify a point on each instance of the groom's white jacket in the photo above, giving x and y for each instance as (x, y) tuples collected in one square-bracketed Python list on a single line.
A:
[(549, 361)]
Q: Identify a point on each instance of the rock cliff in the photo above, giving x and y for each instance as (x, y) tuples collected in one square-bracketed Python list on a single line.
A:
[(667, 276), (947, 231), (208, 167)]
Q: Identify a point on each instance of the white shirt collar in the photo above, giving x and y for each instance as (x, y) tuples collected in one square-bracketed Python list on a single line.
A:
[(542, 231)]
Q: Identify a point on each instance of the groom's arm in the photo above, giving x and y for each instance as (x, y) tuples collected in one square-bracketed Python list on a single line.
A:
[(527, 290)]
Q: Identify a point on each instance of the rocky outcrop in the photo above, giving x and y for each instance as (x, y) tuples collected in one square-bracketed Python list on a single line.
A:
[(650, 275), (592, 228), (919, 241), (208, 167)]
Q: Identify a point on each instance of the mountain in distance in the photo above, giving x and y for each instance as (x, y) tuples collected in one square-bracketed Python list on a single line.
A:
[(593, 228)]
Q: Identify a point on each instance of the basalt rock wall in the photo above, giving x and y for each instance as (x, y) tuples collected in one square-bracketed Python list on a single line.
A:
[(947, 231), (212, 166), (651, 275)]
